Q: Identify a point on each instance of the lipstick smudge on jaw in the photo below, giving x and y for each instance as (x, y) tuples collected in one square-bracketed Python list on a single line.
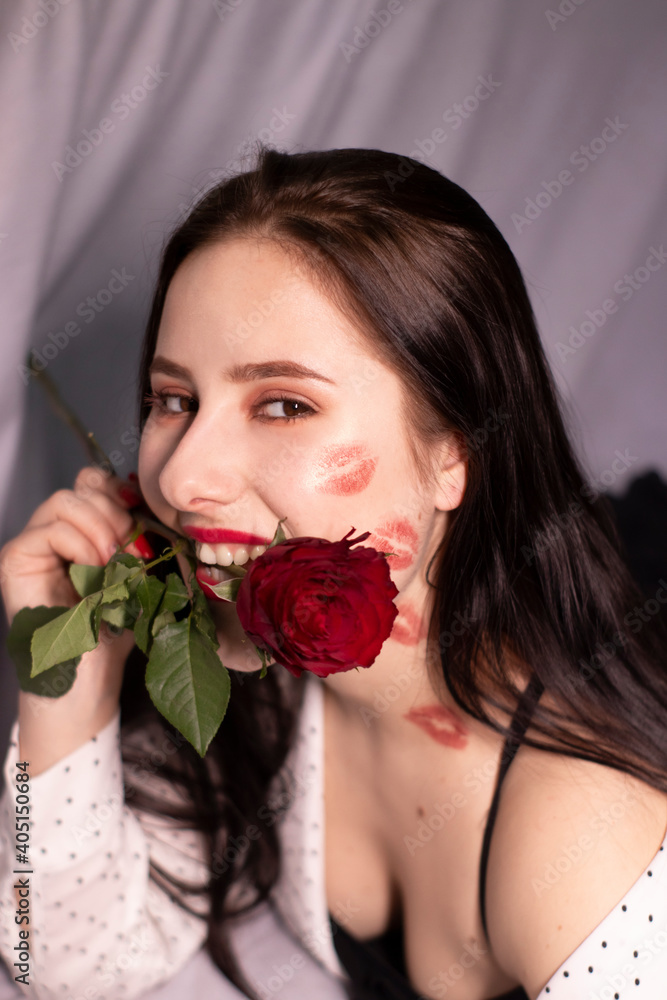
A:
[(441, 724), (409, 627), (396, 535), (345, 469)]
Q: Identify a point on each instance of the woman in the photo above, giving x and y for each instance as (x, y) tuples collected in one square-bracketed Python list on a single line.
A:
[(343, 339)]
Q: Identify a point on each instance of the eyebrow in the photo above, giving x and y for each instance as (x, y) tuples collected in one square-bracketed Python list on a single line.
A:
[(243, 373)]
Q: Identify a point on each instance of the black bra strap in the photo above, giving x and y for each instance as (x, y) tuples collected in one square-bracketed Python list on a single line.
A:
[(520, 722)]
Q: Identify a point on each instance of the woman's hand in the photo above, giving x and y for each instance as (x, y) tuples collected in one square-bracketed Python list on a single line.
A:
[(84, 525)]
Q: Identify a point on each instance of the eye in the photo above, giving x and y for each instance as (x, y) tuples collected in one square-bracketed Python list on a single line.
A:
[(170, 402), (284, 408)]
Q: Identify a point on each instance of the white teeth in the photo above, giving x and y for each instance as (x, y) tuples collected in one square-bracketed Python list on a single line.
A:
[(223, 555), (206, 554)]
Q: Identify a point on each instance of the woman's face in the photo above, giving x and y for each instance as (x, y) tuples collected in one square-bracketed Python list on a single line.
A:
[(272, 405)]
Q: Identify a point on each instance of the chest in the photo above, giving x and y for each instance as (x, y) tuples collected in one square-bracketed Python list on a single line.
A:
[(403, 838)]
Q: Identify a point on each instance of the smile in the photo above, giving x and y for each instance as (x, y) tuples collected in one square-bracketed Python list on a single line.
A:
[(225, 555)]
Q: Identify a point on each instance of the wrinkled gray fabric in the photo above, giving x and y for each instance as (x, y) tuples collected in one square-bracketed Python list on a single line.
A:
[(269, 956), (552, 116)]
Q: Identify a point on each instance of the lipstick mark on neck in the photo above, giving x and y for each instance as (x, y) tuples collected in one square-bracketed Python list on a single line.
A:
[(345, 470), (441, 724)]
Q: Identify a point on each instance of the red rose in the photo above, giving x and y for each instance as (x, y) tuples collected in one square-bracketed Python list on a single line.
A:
[(318, 605)]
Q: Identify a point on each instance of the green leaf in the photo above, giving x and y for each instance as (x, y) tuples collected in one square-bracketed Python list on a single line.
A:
[(121, 566), (187, 682), (172, 596), (201, 613), (237, 571), (86, 579), (265, 661), (122, 614), (176, 594), (53, 682), (161, 619), (149, 591), (66, 637), (139, 529), (279, 536), (116, 592), (228, 589)]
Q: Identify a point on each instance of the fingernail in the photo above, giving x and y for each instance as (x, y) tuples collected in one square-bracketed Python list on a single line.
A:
[(143, 548), (133, 477), (130, 496)]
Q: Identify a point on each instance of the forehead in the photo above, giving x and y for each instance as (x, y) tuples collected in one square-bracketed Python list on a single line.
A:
[(249, 299)]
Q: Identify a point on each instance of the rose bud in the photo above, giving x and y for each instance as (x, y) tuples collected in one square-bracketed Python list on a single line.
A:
[(318, 605)]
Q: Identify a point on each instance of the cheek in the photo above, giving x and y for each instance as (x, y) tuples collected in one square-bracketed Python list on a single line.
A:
[(149, 465), (145, 467), (396, 535), (344, 470)]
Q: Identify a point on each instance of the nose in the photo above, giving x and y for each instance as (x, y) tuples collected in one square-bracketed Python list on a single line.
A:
[(204, 468)]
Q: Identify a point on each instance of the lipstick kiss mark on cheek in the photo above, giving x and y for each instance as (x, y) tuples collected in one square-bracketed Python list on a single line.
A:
[(409, 627), (397, 536), (345, 470), (441, 724)]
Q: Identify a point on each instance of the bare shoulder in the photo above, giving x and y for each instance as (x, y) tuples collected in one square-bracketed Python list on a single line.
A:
[(570, 839)]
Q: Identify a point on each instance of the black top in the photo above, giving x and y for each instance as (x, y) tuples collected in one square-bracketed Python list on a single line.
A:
[(377, 967)]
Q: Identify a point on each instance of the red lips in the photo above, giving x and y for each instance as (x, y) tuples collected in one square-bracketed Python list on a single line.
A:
[(216, 536)]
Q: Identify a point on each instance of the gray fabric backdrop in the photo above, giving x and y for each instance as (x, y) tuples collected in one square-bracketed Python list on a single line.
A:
[(116, 113)]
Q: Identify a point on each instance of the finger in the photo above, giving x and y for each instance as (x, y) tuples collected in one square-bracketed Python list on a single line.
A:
[(45, 547), (100, 519), (93, 481), (93, 478)]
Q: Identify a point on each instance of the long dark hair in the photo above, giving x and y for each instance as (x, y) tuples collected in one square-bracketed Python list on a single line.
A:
[(529, 581)]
